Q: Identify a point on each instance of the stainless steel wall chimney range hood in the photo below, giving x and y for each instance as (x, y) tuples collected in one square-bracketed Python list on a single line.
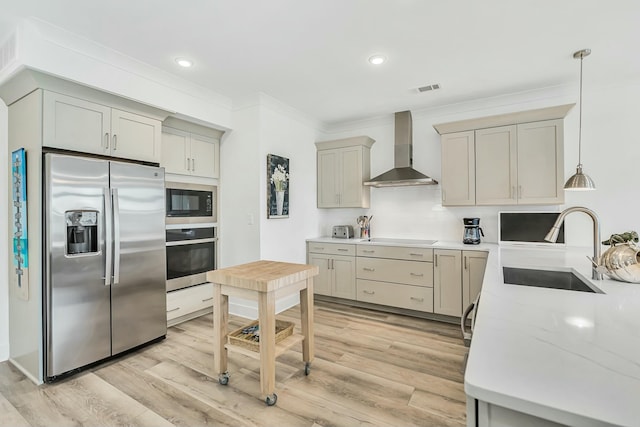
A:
[(403, 173)]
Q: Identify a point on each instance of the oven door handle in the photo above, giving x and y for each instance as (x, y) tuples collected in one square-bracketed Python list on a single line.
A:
[(192, 242)]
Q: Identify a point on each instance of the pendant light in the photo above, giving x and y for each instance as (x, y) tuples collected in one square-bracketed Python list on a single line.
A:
[(580, 181)]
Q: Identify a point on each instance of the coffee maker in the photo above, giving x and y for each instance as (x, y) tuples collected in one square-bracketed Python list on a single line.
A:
[(472, 231)]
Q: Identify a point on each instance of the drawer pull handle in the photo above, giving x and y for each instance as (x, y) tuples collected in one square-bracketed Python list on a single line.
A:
[(368, 251), (417, 299), (173, 309), (417, 274), (343, 250), (368, 269), (207, 299), (414, 254), (317, 248), (368, 292)]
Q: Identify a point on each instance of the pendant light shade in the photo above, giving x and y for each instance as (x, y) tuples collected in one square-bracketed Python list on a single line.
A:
[(580, 181)]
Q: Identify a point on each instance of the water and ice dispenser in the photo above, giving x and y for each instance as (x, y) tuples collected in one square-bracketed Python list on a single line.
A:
[(82, 232)]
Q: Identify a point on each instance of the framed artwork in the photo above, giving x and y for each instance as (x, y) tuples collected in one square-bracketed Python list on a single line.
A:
[(277, 186), (20, 244)]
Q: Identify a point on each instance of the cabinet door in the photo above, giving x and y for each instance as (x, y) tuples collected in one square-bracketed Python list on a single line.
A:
[(447, 286), (473, 266), (496, 166), (321, 282), (328, 179), (204, 156), (75, 124), (135, 137), (344, 276), (541, 162), (458, 169), (350, 195), (175, 151)]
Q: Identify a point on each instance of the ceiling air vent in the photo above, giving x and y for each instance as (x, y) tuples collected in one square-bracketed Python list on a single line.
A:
[(429, 87), (8, 51)]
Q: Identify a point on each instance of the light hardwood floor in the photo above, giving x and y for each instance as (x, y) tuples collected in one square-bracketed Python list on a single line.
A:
[(371, 369)]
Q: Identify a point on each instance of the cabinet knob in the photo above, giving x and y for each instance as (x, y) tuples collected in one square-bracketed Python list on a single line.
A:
[(173, 309), (368, 269), (417, 274), (106, 141), (368, 292), (115, 142), (414, 254), (343, 250), (207, 299), (416, 299), (368, 251)]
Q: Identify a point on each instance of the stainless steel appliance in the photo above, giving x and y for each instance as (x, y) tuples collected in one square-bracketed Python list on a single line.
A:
[(104, 260), (191, 252), (472, 231), (342, 231), (190, 203)]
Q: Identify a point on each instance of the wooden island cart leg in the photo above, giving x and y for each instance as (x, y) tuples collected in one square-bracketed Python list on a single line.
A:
[(306, 316), (220, 320), (267, 319)]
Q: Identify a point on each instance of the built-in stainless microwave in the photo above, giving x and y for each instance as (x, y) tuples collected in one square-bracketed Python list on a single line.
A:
[(190, 203)]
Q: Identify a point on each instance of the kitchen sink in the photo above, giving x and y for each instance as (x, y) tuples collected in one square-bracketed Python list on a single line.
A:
[(401, 241), (555, 279)]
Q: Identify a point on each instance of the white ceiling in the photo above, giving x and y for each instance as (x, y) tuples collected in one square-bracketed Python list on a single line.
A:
[(312, 54)]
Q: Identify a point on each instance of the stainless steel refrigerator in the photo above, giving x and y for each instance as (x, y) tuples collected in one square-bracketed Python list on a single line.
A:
[(105, 262)]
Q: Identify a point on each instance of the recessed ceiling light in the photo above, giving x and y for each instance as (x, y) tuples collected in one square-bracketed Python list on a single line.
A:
[(184, 62), (377, 59)]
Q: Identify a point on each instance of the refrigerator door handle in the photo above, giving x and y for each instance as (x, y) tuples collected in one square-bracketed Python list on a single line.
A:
[(116, 236), (108, 231)]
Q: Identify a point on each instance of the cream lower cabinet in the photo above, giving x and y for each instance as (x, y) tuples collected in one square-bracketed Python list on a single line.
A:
[(188, 303), (395, 276), (474, 264), (186, 153), (79, 125), (337, 269), (447, 282), (343, 166)]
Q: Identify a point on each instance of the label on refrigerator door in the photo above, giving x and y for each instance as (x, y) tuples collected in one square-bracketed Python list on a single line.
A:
[(19, 218)]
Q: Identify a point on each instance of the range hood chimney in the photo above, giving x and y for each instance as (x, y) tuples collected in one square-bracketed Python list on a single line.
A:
[(403, 174)]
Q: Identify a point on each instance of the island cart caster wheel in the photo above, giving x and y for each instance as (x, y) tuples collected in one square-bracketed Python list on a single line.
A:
[(307, 368), (271, 400), (223, 379)]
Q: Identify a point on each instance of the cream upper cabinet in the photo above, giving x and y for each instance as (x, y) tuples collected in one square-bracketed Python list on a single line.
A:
[(75, 124), (186, 153), (447, 282), (496, 166), (343, 166), (520, 164), (458, 169), (473, 266), (541, 162), (507, 159)]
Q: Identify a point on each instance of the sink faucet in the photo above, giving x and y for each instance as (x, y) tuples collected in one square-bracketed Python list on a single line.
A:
[(552, 235)]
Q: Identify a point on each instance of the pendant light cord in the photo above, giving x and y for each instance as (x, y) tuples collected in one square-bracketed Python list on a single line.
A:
[(580, 122)]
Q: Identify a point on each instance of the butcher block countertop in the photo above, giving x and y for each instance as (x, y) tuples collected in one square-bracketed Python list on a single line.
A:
[(262, 276)]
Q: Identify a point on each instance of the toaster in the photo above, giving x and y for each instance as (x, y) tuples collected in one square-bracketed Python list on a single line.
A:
[(342, 231)]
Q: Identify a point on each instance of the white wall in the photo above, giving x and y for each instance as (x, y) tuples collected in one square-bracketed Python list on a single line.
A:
[(4, 188), (609, 154), (286, 135)]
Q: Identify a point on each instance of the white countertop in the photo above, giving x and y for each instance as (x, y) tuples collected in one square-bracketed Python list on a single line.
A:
[(566, 356), (417, 243), (570, 357)]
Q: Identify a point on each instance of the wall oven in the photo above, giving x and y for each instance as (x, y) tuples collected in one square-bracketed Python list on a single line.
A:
[(190, 203), (191, 252)]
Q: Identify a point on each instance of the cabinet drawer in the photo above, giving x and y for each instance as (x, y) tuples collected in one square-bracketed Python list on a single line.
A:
[(396, 252), (396, 271), (395, 295), (332, 248), (189, 300)]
